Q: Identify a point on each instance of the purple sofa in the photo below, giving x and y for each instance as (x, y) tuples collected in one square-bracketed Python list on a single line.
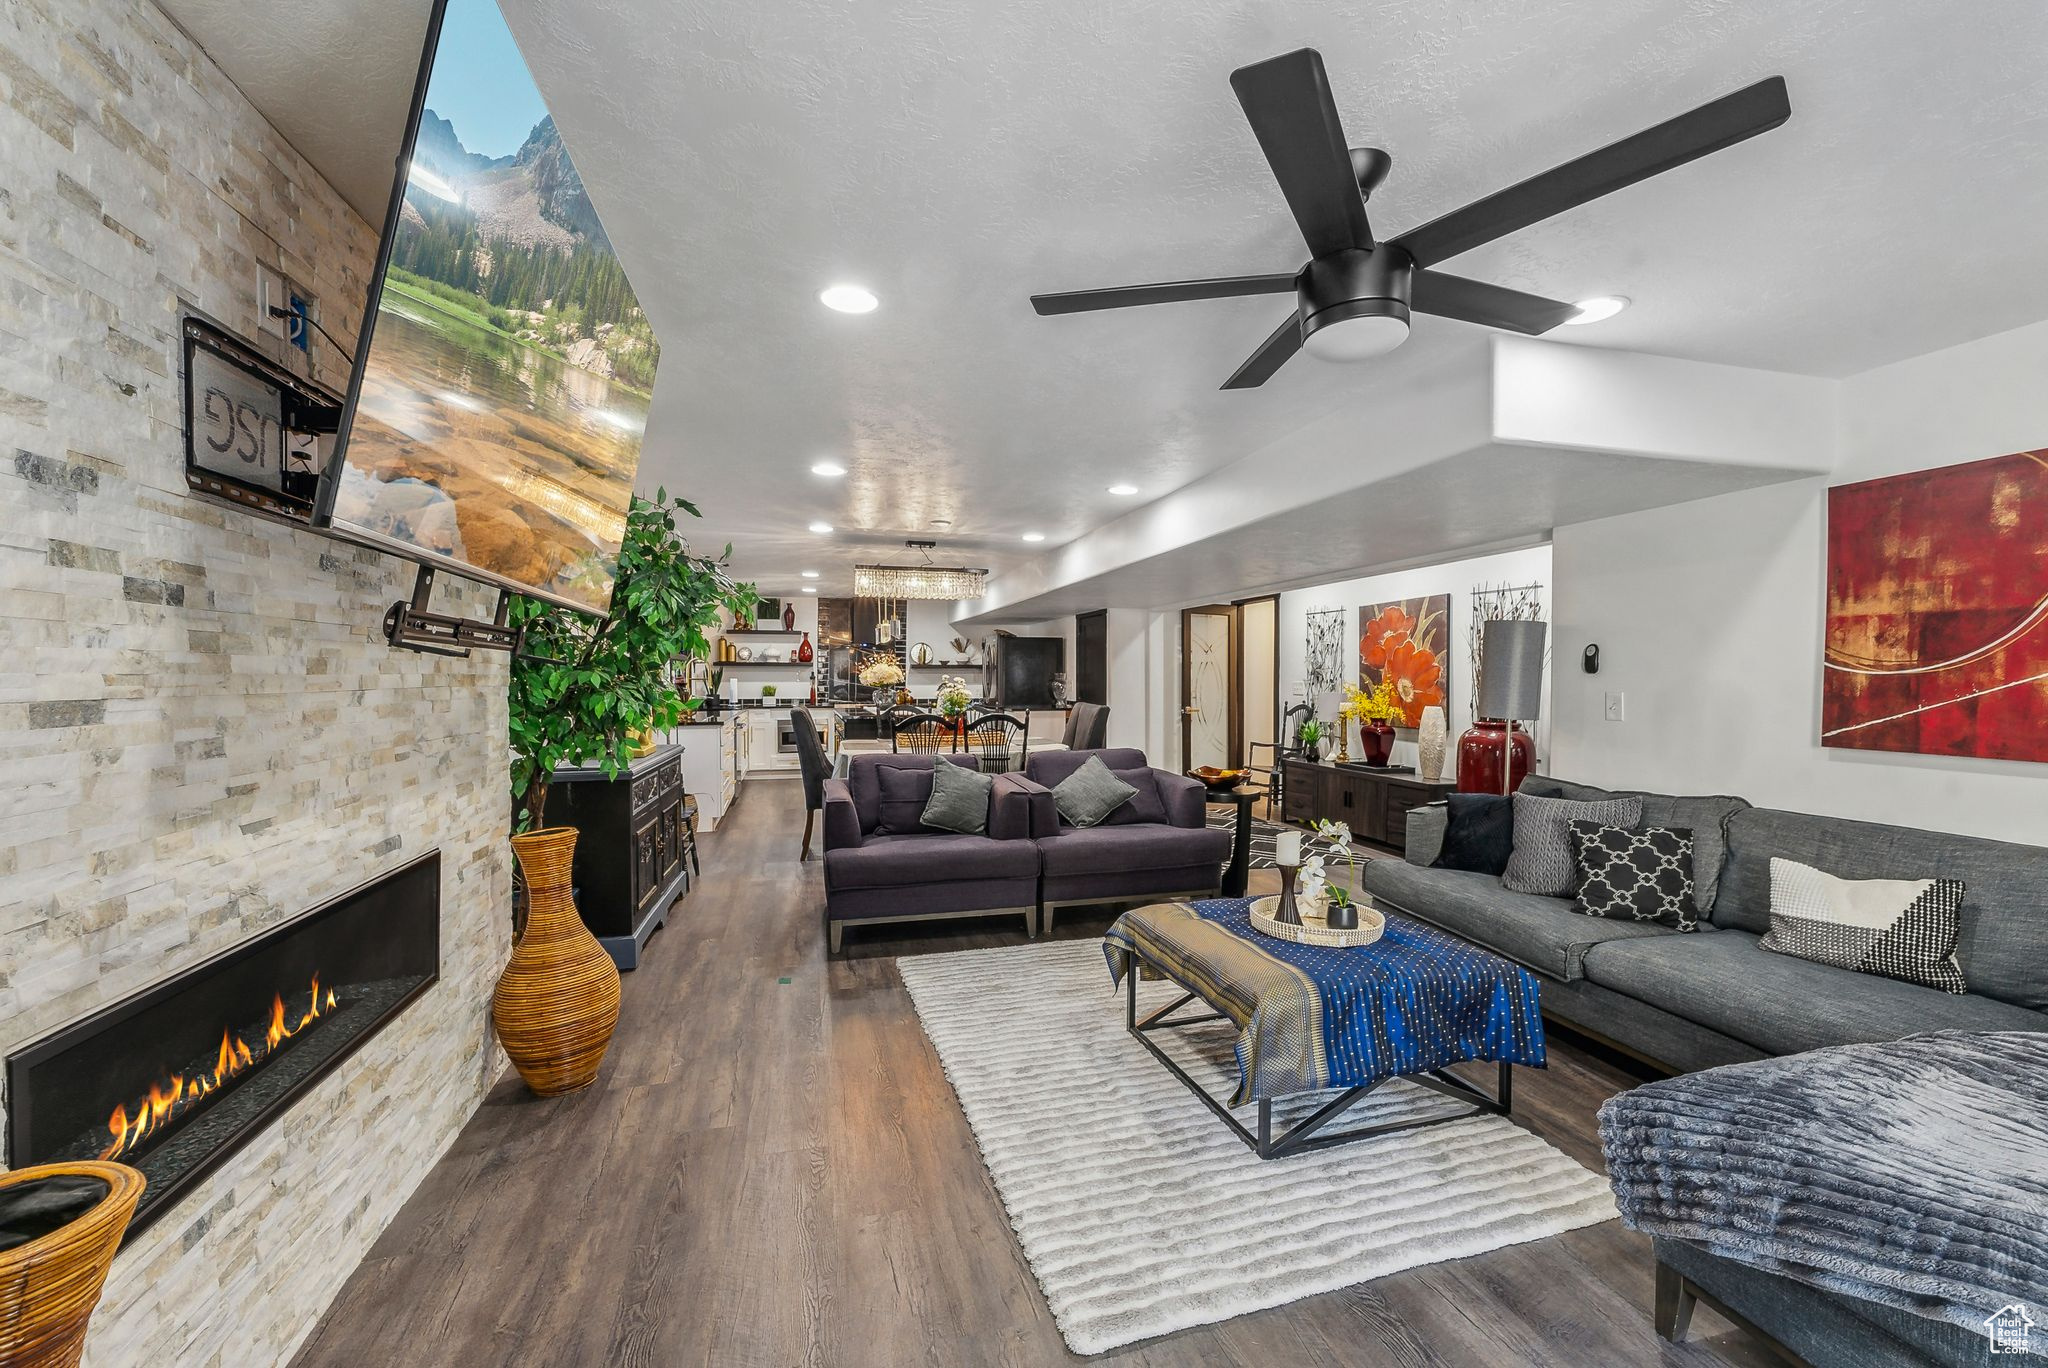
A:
[(881, 865), (1158, 845)]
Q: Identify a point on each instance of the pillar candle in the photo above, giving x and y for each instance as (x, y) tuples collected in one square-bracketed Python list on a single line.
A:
[(1287, 848)]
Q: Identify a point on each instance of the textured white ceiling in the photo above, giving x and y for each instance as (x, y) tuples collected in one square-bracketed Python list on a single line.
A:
[(956, 155), (335, 77)]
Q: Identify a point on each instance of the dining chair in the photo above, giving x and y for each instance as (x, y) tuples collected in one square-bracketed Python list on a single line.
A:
[(1087, 726), (922, 733), (1275, 768), (815, 768), (997, 739)]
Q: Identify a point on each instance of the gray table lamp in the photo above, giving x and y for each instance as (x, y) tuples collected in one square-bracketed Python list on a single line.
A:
[(1511, 680)]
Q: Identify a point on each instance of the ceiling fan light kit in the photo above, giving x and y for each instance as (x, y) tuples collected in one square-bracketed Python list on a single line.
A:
[(1354, 298)]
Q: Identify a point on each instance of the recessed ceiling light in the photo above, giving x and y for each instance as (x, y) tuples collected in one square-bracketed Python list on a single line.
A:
[(821, 527), (1123, 489), (1034, 536), (810, 588), (810, 574), (831, 470), (1597, 308), (848, 299)]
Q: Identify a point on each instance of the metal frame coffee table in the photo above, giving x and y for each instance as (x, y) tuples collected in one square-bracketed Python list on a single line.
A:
[(1307, 1133)]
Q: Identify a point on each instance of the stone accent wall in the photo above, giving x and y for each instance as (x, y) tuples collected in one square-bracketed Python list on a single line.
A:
[(202, 732)]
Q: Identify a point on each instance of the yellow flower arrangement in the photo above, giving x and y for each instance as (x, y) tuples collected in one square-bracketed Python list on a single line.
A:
[(1378, 704)]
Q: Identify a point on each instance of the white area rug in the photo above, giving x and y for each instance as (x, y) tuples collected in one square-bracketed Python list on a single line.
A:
[(1141, 1214)]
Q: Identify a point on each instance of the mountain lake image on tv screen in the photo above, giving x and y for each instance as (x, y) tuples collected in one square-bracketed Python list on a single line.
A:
[(505, 394)]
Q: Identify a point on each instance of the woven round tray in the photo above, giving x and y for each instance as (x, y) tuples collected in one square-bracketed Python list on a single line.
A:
[(1312, 931)]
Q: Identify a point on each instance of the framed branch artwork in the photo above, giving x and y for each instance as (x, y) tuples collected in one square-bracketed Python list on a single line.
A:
[(1323, 669), (1498, 603)]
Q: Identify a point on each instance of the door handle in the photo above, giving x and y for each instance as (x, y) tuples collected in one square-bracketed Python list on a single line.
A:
[(1190, 711)]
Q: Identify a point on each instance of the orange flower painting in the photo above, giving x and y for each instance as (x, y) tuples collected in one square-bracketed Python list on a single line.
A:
[(1408, 644)]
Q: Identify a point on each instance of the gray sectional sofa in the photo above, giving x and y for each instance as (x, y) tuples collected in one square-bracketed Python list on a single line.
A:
[(1687, 1001), (1690, 1001)]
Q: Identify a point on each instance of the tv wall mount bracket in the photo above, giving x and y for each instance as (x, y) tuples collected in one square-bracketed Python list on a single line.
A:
[(410, 625)]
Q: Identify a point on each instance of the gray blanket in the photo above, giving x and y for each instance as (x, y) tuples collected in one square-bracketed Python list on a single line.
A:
[(1912, 1173)]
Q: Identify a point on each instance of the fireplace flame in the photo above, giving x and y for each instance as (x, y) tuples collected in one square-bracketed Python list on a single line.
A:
[(165, 1099)]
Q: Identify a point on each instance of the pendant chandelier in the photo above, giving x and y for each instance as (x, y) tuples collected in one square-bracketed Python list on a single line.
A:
[(923, 581)]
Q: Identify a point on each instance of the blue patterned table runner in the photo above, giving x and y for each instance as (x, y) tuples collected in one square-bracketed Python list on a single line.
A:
[(1311, 1018)]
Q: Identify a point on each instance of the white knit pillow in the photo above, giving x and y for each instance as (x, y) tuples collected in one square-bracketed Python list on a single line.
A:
[(1899, 928)]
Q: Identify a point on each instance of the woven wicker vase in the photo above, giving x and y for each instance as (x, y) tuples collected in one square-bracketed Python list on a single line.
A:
[(49, 1286), (557, 1002)]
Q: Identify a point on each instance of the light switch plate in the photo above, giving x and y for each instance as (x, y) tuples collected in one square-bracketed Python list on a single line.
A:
[(1614, 706), (271, 292)]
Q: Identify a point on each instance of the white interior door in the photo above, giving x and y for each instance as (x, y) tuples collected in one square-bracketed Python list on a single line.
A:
[(1206, 664)]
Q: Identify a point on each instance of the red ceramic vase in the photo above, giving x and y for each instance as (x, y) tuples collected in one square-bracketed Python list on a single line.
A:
[(1486, 748), (1376, 739), (803, 652)]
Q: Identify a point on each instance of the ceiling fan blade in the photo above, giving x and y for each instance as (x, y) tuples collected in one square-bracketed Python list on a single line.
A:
[(1167, 292), (1475, 301), (1713, 126), (1287, 101), (1272, 354)]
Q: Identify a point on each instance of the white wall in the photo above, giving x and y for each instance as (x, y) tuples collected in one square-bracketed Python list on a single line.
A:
[(1709, 617), (1456, 578)]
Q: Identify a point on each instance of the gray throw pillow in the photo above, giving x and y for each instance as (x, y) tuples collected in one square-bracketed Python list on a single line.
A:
[(1090, 794), (1542, 858), (901, 797), (1145, 807), (959, 799)]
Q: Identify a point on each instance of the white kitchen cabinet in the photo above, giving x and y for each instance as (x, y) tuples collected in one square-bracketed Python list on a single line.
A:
[(713, 761)]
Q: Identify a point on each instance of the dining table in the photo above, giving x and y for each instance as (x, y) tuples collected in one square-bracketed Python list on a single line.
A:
[(843, 760)]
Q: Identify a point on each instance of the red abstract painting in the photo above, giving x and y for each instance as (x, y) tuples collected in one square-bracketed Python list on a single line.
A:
[(1937, 631)]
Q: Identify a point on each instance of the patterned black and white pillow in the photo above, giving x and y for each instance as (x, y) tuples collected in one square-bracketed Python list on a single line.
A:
[(1635, 873), (1899, 928)]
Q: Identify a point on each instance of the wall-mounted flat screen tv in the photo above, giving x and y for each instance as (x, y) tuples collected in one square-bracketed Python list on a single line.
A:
[(502, 381)]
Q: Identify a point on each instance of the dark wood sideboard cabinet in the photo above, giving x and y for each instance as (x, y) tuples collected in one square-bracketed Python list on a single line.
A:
[(629, 847), (1373, 803)]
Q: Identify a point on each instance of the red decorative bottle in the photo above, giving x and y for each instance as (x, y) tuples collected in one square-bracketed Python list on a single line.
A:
[(803, 652), (1376, 740), (1490, 747)]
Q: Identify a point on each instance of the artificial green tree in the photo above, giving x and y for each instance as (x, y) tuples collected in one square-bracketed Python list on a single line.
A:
[(585, 685)]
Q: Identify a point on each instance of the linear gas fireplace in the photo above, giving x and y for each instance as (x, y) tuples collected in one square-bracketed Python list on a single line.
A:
[(178, 1077)]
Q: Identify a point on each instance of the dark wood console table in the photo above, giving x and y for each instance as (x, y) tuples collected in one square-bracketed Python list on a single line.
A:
[(629, 848), (1374, 803)]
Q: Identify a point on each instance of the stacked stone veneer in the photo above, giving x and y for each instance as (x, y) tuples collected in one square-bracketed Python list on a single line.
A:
[(202, 732)]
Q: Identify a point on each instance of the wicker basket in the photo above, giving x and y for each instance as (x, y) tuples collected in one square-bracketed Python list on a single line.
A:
[(49, 1286), (1313, 929)]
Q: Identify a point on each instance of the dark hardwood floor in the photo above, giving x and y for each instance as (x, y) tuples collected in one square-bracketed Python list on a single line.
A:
[(773, 1171)]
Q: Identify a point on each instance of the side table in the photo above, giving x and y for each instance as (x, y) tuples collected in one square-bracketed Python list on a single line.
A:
[(1239, 869)]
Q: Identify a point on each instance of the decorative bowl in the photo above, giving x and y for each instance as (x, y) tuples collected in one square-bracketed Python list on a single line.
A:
[(1219, 778)]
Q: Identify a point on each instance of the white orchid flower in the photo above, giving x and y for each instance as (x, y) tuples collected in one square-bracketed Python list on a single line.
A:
[(1312, 877), (1339, 833)]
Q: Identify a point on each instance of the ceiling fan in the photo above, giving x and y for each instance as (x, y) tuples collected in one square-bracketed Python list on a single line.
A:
[(1354, 296)]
